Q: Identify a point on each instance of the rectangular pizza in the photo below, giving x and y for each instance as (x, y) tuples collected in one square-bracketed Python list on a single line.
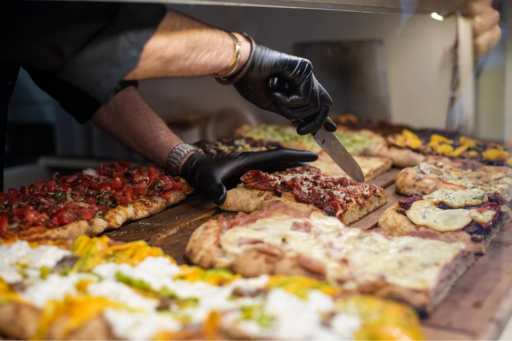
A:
[(306, 189), (428, 177), (371, 166), (88, 202), (280, 240), (469, 216), (99, 289)]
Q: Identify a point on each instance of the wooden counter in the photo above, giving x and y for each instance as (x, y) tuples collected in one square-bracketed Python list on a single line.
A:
[(478, 306)]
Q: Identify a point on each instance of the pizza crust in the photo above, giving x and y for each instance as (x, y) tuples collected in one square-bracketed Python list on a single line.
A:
[(396, 224), (204, 249), (409, 181), (371, 166), (246, 200), (242, 199), (19, 321), (114, 218)]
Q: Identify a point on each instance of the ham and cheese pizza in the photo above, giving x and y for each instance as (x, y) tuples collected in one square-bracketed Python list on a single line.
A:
[(97, 289), (280, 240), (88, 202), (468, 216), (429, 177), (306, 189)]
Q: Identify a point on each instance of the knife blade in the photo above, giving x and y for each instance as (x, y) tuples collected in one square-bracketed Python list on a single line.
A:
[(338, 153), (327, 141)]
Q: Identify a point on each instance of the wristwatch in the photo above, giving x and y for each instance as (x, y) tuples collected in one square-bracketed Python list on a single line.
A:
[(176, 156)]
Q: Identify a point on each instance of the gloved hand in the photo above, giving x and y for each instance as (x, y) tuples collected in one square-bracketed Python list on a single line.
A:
[(285, 85), (212, 171)]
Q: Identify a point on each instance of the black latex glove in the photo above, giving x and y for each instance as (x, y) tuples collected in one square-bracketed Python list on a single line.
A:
[(285, 84), (212, 171)]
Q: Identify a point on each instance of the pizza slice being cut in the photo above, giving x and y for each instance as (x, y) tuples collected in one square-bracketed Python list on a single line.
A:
[(429, 177), (283, 240), (356, 142), (371, 166), (306, 189), (468, 216), (97, 289), (87, 202)]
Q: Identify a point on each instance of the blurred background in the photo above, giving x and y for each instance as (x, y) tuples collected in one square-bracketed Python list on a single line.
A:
[(376, 65)]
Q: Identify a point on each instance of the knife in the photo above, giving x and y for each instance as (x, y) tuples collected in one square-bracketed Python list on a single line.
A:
[(327, 141), (338, 153)]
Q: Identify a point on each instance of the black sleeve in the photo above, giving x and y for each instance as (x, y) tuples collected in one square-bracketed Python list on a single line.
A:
[(79, 52)]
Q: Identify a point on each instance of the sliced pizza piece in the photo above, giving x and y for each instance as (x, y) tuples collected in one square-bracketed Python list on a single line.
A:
[(88, 202), (429, 177), (356, 142), (371, 166), (132, 291), (306, 189), (466, 216), (282, 240)]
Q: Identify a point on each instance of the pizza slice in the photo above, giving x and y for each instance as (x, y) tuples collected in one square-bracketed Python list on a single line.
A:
[(88, 202), (283, 240), (371, 166), (408, 149), (468, 216), (306, 189), (429, 177), (99, 289), (356, 142)]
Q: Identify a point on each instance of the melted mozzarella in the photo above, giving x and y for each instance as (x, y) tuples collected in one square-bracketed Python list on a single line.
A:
[(139, 326), (406, 261), (54, 287), (425, 213), (455, 199), (482, 218), (122, 293), (19, 259)]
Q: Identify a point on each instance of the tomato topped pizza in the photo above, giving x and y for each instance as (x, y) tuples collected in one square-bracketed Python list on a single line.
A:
[(306, 189), (87, 202), (469, 216)]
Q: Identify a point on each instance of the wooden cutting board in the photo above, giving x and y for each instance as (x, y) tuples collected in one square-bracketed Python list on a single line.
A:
[(478, 306)]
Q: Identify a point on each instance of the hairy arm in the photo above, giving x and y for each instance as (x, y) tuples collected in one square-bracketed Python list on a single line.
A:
[(129, 119), (184, 47)]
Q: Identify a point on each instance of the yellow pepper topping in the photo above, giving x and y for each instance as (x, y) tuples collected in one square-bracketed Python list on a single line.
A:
[(96, 251), (495, 154), (382, 319), (300, 286), (76, 310), (509, 162), (212, 276), (473, 153), (408, 139), (466, 141), (459, 151), (437, 139)]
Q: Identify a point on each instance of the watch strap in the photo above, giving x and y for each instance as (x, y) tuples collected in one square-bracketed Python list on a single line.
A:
[(177, 155)]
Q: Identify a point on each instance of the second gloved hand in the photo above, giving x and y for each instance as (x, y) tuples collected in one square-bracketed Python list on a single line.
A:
[(212, 171), (286, 85)]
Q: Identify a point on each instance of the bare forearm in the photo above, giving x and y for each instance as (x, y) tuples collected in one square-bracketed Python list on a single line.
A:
[(182, 46), (129, 119)]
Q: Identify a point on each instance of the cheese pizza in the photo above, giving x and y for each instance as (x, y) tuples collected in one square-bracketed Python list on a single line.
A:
[(306, 189), (88, 202), (99, 289), (429, 177), (282, 240), (468, 216)]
